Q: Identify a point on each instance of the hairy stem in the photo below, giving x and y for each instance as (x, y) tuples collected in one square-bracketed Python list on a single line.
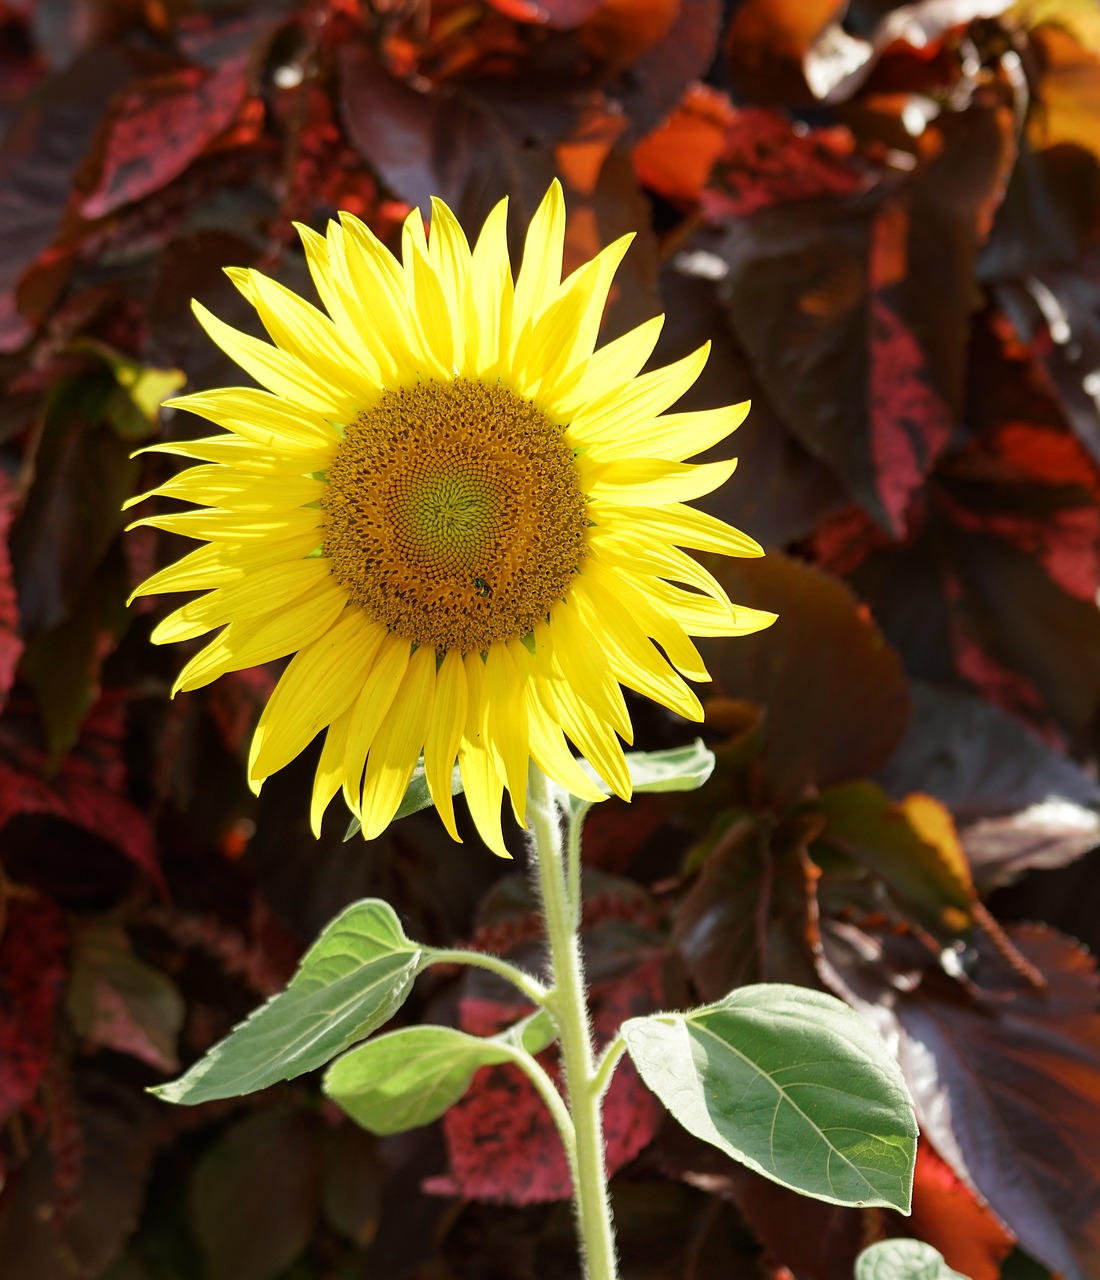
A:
[(568, 1005)]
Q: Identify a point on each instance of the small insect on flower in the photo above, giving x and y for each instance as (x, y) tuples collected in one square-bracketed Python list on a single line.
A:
[(463, 519)]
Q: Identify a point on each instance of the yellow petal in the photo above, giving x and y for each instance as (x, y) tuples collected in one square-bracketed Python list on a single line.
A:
[(243, 455), (444, 736), (370, 709), (209, 525), (633, 659), (330, 770), (683, 525), (251, 643), (319, 684), (608, 371), (277, 370), (260, 592), (305, 333), (584, 665), (673, 436), (484, 791), (488, 313), (627, 601), (540, 269), (505, 723), (398, 744), (218, 486), (702, 616), (218, 564), (650, 481), (261, 417), (648, 395)]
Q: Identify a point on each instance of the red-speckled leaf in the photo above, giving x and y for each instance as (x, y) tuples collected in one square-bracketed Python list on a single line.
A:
[(501, 1141), (910, 422), (763, 161), (1041, 660), (157, 127), (806, 296), (11, 644), (86, 791), (502, 1144), (1004, 1076), (33, 946), (159, 124)]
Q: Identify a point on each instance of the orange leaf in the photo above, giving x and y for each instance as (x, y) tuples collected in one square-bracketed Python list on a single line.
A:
[(675, 160), (950, 1217)]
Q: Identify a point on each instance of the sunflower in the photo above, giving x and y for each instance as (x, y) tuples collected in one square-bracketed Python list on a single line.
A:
[(462, 519)]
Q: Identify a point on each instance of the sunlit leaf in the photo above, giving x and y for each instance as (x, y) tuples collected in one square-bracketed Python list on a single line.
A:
[(354, 978), (792, 1083)]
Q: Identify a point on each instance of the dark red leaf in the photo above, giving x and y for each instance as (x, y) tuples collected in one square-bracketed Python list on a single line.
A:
[(69, 1211), (1020, 802), (39, 157), (256, 1194), (156, 129), (1004, 1075), (827, 1239), (84, 792), (675, 159), (835, 709), (765, 160), (11, 644), (661, 76), (33, 949), (766, 42), (948, 1215), (744, 918), (910, 423)]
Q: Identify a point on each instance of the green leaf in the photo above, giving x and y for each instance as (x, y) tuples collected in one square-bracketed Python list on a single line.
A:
[(352, 980), (792, 1083), (410, 1077), (255, 1195), (904, 1260), (677, 769), (417, 797), (925, 870)]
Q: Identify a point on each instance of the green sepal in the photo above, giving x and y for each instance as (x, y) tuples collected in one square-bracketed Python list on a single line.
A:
[(677, 769), (417, 797)]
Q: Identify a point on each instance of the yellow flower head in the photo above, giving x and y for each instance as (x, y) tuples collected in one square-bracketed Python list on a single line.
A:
[(462, 519)]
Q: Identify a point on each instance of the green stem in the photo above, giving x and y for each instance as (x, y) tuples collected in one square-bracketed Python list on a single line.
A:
[(530, 986), (605, 1068), (569, 1007), (555, 1104)]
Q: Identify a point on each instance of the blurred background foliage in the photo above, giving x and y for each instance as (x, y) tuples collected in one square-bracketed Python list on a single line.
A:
[(887, 220)]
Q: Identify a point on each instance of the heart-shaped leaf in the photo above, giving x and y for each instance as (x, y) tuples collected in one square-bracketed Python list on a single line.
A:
[(792, 1083)]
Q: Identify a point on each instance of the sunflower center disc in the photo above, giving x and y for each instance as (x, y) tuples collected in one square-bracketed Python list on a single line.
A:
[(453, 514)]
